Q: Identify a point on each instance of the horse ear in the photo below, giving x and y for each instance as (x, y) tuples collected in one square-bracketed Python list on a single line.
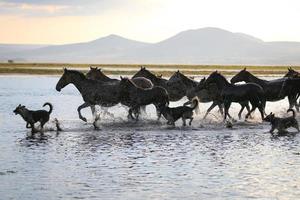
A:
[(245, 68), (177, 71), (65, 69), (100, 69), (121, 77)]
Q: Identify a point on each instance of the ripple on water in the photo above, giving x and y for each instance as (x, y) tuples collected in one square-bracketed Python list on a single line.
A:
[(140, 160)]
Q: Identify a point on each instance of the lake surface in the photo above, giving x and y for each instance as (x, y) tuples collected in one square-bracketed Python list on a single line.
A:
[(143, 160)]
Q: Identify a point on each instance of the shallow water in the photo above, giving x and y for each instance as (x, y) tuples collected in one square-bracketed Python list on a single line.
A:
[(143, 160)]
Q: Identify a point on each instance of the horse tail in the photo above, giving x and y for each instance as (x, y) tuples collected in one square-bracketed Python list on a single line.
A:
[(291, 110), (50, 105)]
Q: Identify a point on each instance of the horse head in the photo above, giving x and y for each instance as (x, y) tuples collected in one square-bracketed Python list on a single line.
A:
[(68, 77), (216, 78), (241, 76), (292, 73), (125, 83), (143, 72)]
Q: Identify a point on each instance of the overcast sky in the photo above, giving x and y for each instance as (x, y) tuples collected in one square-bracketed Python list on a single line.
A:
[(68, 21)]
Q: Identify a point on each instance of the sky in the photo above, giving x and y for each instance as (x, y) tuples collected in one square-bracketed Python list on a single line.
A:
[(70, 21)]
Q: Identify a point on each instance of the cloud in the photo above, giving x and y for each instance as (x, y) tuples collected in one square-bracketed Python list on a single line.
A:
[(60, 7), (32, 7)]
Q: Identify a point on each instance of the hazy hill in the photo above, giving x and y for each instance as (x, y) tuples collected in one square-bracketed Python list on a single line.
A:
[(200, 46)]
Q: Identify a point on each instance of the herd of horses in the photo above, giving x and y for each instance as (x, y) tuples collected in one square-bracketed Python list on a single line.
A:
[(146, 88)]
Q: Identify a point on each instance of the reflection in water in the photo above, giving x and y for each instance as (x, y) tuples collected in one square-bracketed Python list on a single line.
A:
[(143, 160)]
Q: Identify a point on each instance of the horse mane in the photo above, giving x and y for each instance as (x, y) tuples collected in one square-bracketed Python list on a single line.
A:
[(153, 76), (221, 76), (187, 78), (79, 73), (131, 82)]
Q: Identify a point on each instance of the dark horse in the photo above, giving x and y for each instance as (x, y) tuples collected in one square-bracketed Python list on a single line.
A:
[(292, 73), (142, 97), (176, 92), (238, 93), (291, 87), (205, 95), (96, 73), (271, 88), (93, 92)]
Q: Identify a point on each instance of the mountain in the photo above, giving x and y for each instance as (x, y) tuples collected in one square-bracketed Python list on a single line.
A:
[(101, 50), (199, 46)]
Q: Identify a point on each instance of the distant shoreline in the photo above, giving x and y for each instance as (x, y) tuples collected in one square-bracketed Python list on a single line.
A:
[(130, 69)]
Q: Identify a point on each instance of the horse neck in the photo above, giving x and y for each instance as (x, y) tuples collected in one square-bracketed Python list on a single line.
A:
[(79, 83), (254, 79), (222, 83), (103, 77), (132, 87), (189, 82)]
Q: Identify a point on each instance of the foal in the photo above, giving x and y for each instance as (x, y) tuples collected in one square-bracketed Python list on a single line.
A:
[(141, 97)]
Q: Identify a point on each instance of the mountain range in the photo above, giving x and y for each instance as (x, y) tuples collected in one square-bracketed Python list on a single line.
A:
[(199, 46)]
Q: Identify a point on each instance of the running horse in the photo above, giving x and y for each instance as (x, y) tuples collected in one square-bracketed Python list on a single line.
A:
[(238, 93), (209, 94), (176, 92), (271, 88)]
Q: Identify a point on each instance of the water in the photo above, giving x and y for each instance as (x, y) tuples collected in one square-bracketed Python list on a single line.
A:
[(144, 160)]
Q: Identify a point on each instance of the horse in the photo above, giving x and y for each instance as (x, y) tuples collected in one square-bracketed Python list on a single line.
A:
[(205, 95), (156, 95), (93, 92), (271, 88), (96, 73), (238, 93), (291, 87), (292, 73), (175, 91)]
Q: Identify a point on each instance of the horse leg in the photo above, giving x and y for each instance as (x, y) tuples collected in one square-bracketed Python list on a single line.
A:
[(158, 113), (136, 111), (143, 109), (244, 105), (221, 108), (183, 121), (210, 108), (93, 109), (292, 101), (256, 104), (241, 110), (84, 105), (130, 113), (226, 106)]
